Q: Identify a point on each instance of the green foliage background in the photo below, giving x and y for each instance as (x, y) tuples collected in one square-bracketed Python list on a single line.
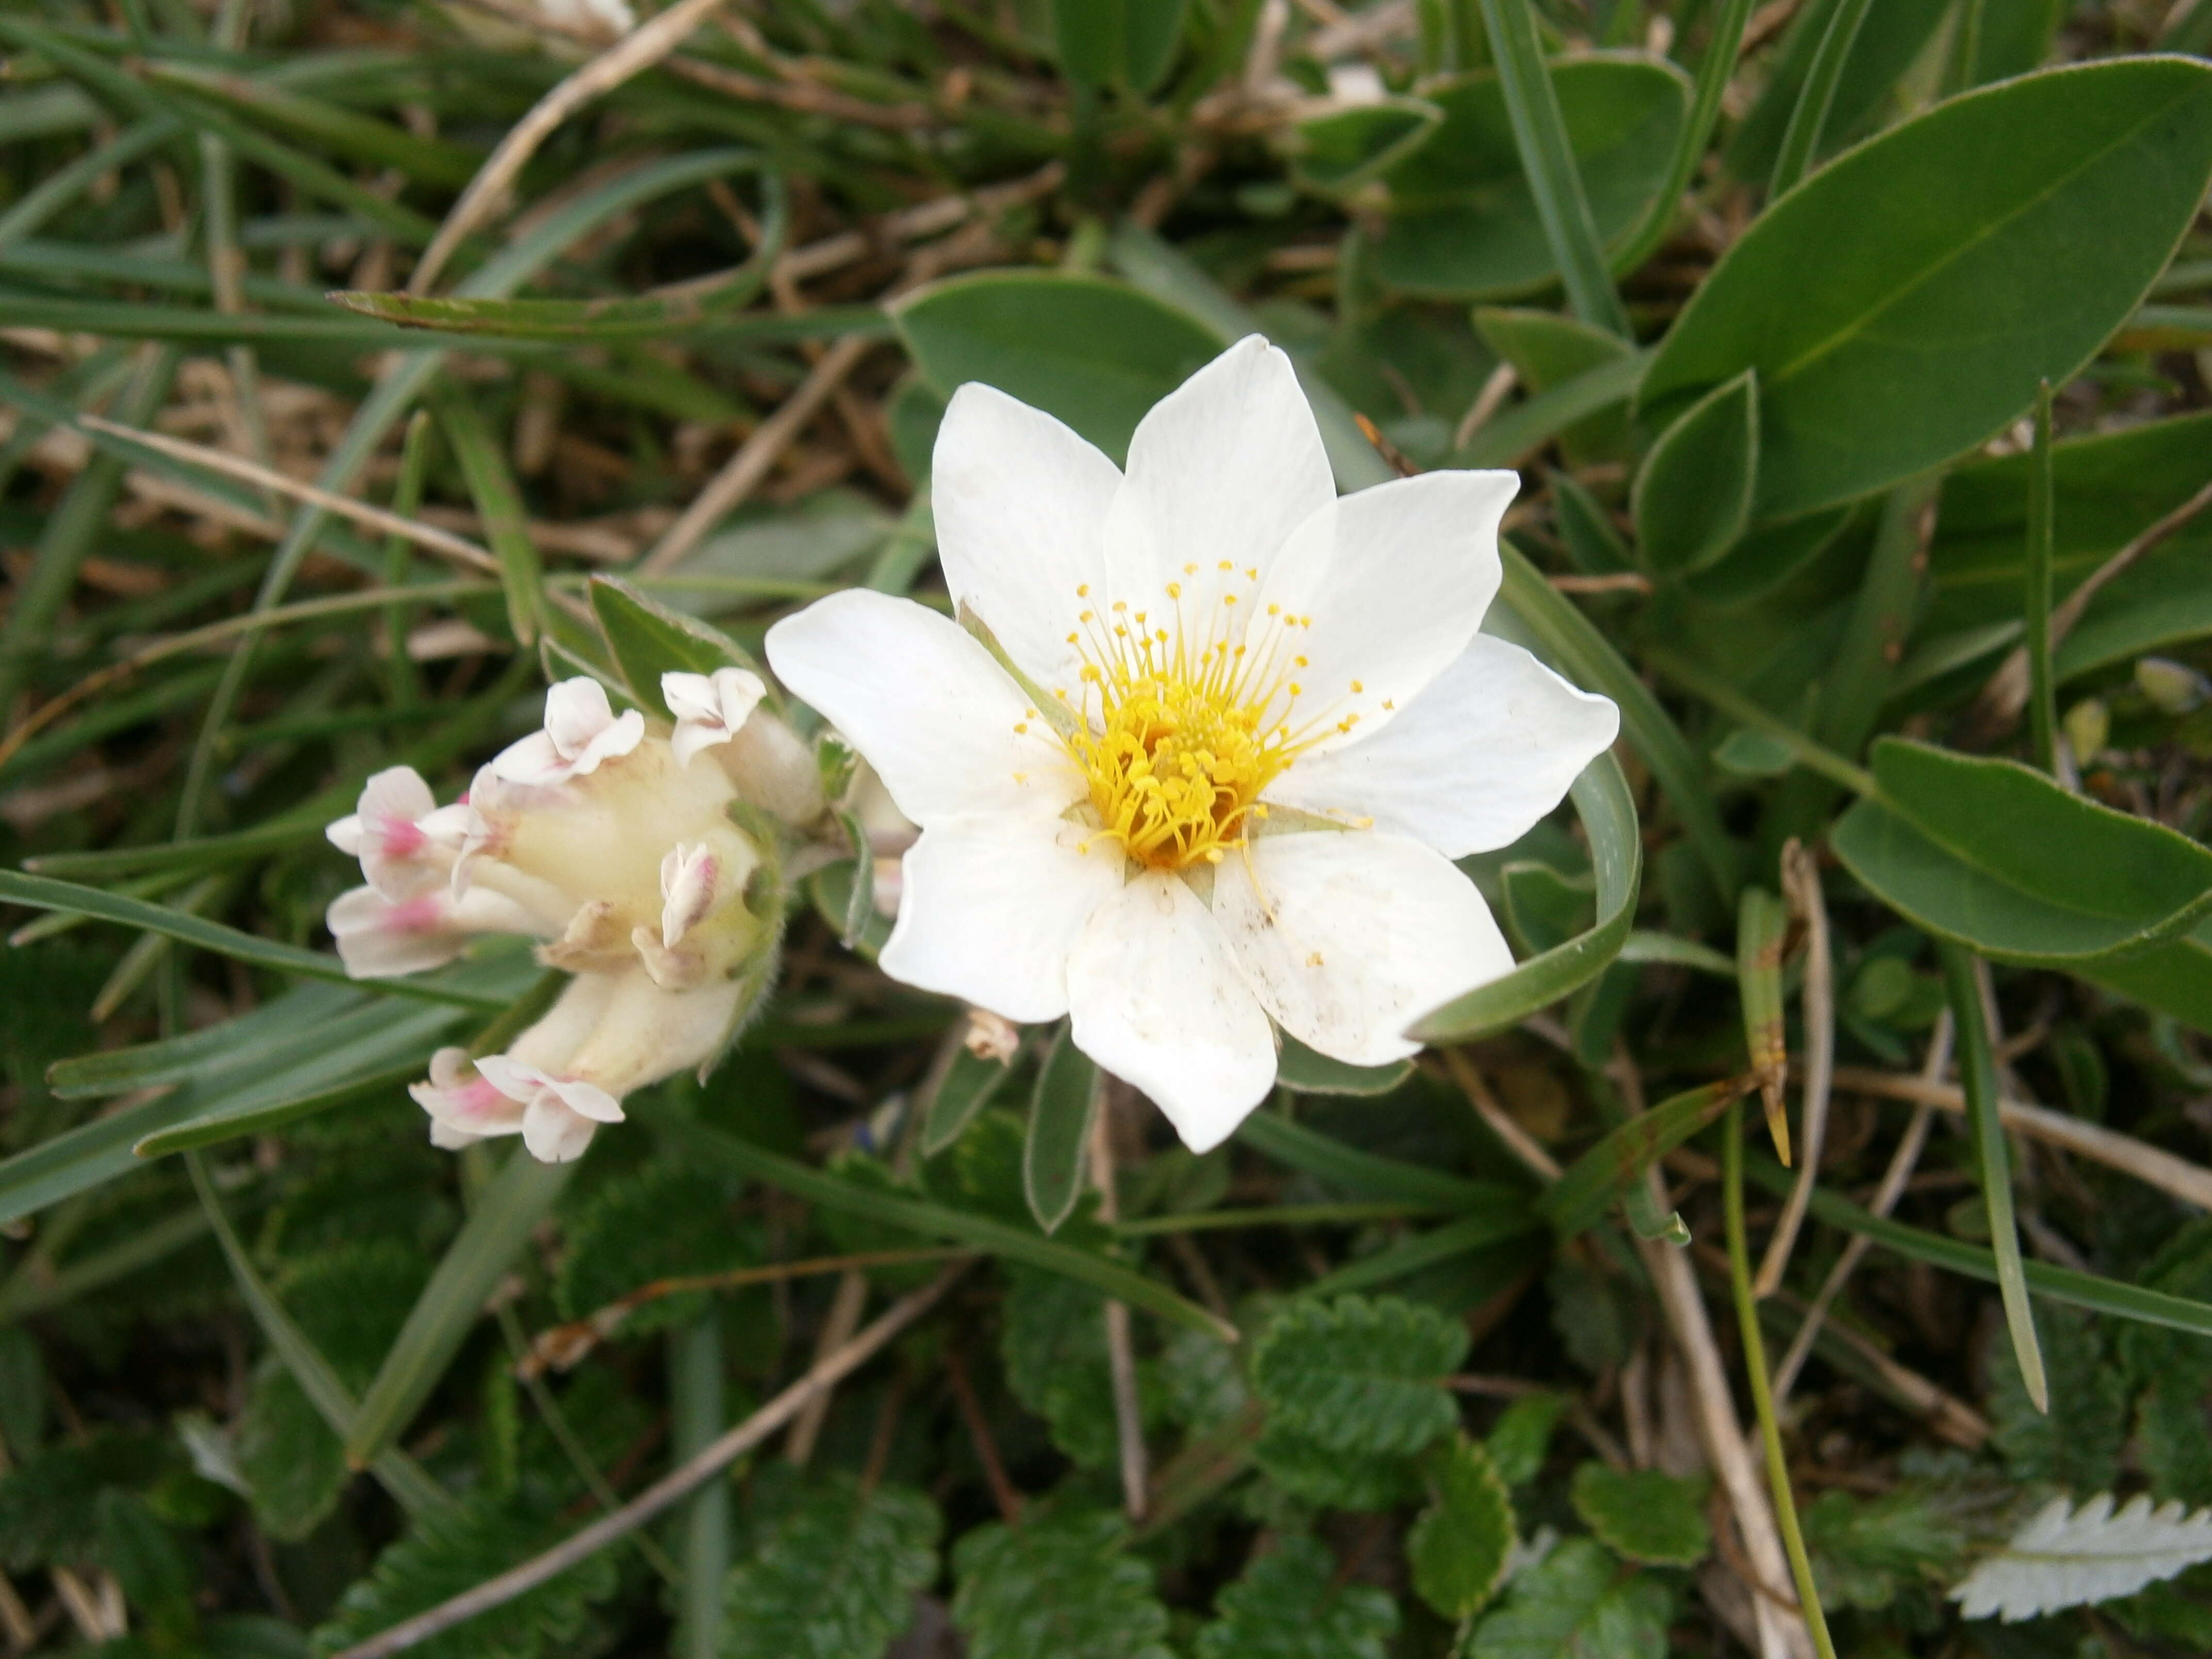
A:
[(1841, 346)]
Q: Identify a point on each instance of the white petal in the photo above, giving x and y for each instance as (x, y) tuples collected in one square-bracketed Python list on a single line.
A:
[(396, 794), (1021, 504), (448, 1139), (689, 888), (989, 909), (586, 1100), (346, 833), (927, 707), (1221, 471), (611, 744), (1395, 580), (1471, 763), (689, 696), (552, 1133), (380, 940), (1352, 935), (535, 759), (576, 711), (1157, 1001)]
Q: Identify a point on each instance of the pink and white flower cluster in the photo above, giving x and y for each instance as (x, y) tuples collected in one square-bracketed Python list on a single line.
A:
[(610, 840)]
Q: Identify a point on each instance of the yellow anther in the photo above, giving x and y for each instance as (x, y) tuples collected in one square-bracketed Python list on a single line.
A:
[(1075, 639), (1189, 570), (1086, 617), (1229, 599), (1226, 564), (1175, 590), (1021, 725), (1313, 960), (1357, 688), (1083, 591), (1302, 662)]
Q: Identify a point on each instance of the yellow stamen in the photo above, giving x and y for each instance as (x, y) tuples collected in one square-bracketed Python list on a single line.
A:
[(1183, 729)]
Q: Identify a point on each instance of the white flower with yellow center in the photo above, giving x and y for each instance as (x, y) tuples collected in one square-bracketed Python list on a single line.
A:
[(1210, 743)]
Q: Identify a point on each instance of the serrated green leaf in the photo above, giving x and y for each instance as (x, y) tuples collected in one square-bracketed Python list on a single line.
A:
[(1459, 1546), (1865, 1550), (455, 1550), (49, 1504), (1646, 1515), (664, 1221), (835, 1577), (1521, 1439), (1577, 1603), (1053, 1341), (1288, 1604), (1321, 1474), (1359, 1375), (2077, 1443), (1058, 1584)]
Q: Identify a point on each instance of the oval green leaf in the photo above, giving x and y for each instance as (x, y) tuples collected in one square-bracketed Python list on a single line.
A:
[(1901, 305), (1994, 855), (1057, 1153), (1692, 498), (1096, 353), (1463, 222)]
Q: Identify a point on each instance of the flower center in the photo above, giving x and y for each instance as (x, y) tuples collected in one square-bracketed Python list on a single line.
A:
[(1185, 718)]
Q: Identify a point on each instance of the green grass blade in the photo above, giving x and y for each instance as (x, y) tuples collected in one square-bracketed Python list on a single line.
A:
[(937, 1221), (520, 1196), (1577, 648), (44, 893), (1978, 1074), (2042, 492), (1540, 131), (1286, 1142), (1801, 140), (412, 1489), (1424, 1250), (1714, 70), (1508, 438), (1762, 1388), (506, 522), (1588, 1186)]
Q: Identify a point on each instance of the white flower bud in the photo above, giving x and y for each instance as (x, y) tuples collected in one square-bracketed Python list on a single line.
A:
[(2174, 688), (406, 842), (379, 939), (580, 734), (709, 709), (771, 766), (991, 1036)]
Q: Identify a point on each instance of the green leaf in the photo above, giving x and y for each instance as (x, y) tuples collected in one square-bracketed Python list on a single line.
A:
[(1995, 856), (1057, 1153), (2100, 1295), (1646, 1515), (1493, 1224), (1338, 152), (1548, 350), (1963, 287), (44, 893), (1575, 1202), (444, 1554), (1801, 139), (1608, 814), (1864, 1551), (1288, 1142), (1127, 43), (665, 1221), (1463, 221), (1359, 1375), (295, 1464), (1571, 406), (649, 639), (1978, 1074), (1521, 1439), (1096, 353), (1576, 1603), (2075, 1438), (1290, 1604), (508, 1210), (965, 1089), (1103, 1273), (1692, 498), (499, 505), (1329, 1478), (1061, 1585), (1548, 162), (836, 1578), (1888, 41), (1459, 1546), (1302, 1071), (1052, 1338)]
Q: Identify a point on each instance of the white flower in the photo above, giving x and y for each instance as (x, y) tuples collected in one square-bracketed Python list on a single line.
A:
[(378, 937), (406, 842), (1253, 726), (580, 734), (710, 709)]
